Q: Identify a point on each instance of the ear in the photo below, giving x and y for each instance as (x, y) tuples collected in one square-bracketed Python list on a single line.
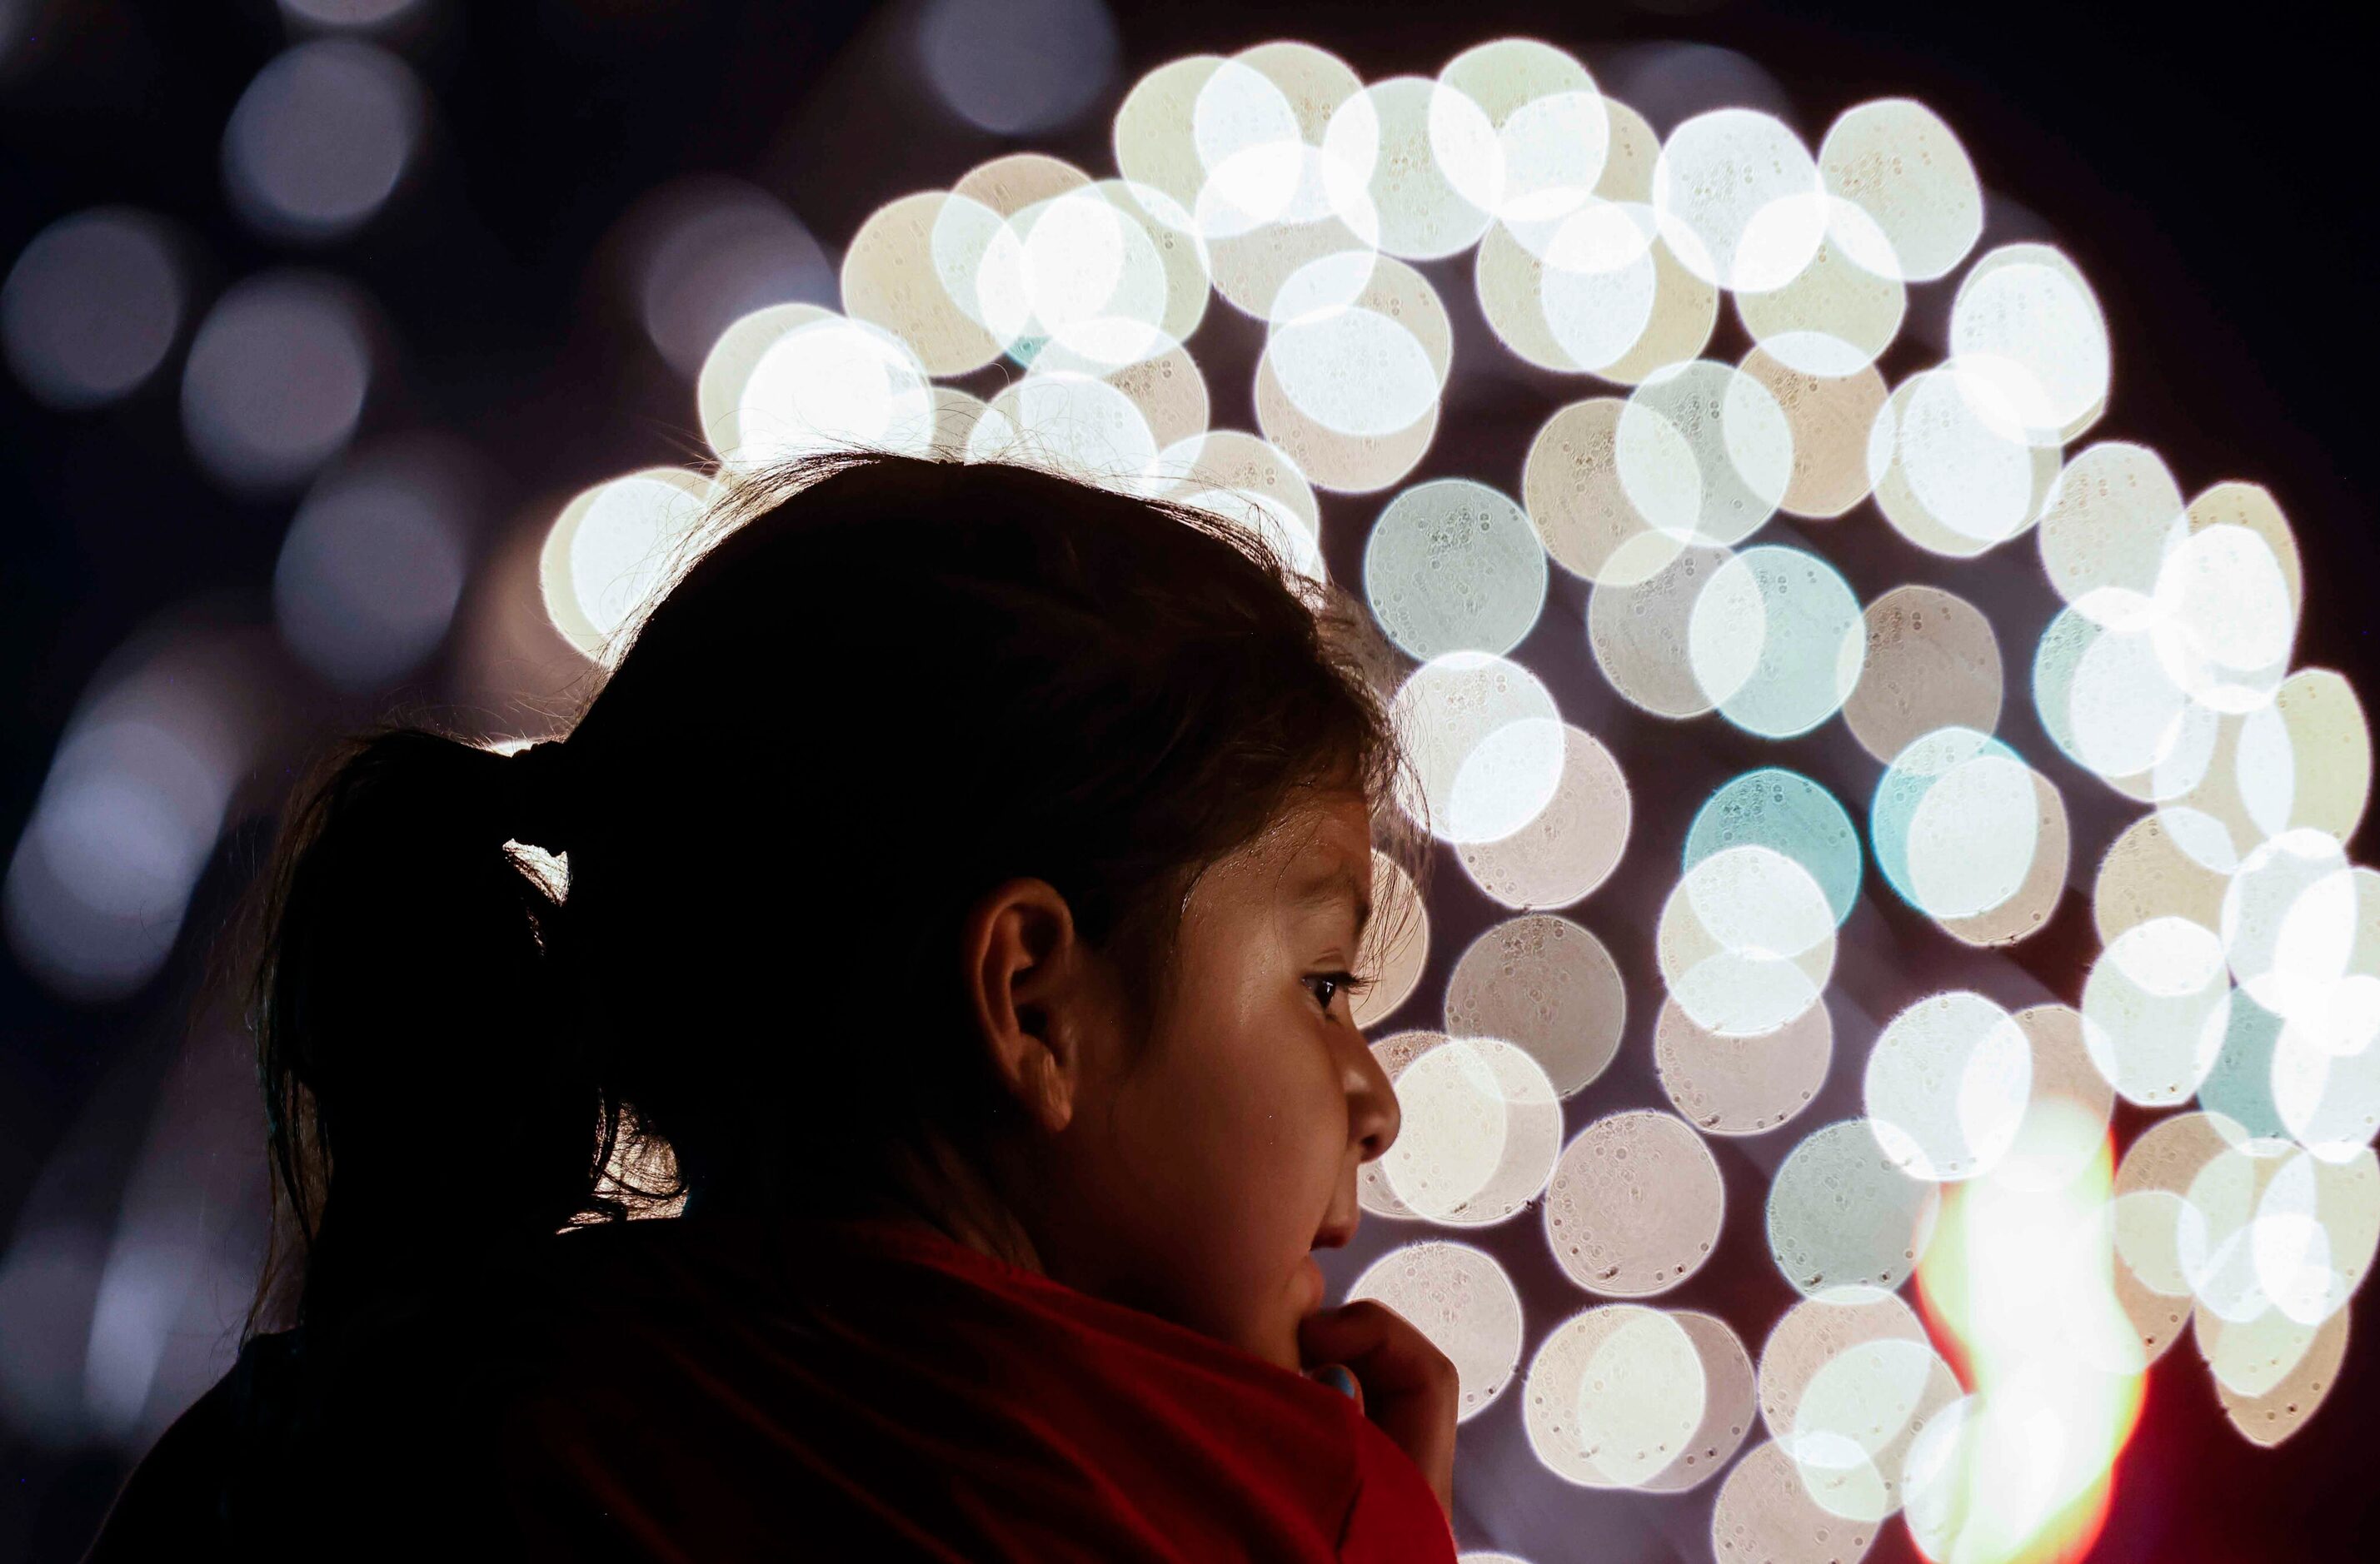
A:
[(1028, 981)]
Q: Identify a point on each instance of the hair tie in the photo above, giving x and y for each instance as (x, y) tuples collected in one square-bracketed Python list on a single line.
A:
[(541, 812)]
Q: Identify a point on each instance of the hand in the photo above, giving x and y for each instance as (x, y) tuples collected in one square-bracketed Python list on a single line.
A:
[(1409, 1386)]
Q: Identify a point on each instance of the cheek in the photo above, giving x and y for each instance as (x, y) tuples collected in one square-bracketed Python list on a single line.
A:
[(1255, 1131)]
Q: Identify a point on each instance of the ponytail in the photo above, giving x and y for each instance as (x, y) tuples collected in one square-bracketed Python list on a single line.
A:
[(427, 1092)]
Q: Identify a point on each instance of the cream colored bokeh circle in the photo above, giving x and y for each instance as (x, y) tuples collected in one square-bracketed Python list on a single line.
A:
[(1568, 847), (1635, 1205), (1546, 984), (1461, 1299)]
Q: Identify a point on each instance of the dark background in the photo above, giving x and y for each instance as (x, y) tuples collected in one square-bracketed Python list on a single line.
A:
[(2212, 176)]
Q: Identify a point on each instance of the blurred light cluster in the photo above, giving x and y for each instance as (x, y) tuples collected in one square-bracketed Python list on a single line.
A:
[(2237, 991), (2241, 963)]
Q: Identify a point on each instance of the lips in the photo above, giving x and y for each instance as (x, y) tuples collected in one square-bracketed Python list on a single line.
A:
[(1336, 1234)]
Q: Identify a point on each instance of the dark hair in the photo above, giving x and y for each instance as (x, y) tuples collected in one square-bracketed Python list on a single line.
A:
[(884, 685)]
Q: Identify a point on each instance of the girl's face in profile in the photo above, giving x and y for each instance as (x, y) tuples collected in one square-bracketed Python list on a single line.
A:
[(1193, 1180)]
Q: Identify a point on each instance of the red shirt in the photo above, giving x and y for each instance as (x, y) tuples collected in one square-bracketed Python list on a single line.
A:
[(721, 1389), (882, 1384)]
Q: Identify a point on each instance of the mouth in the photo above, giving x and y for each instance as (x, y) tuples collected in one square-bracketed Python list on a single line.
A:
[(1339, 1233)]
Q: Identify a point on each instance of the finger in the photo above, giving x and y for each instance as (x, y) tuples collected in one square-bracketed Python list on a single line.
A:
[(1341, 1378), (1385, 1349)]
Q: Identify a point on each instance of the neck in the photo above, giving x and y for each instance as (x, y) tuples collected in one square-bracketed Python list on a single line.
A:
[(933, 1183), (922, 1179)]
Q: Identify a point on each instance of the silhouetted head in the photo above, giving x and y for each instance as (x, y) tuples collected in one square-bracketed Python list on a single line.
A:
[(940, 816)]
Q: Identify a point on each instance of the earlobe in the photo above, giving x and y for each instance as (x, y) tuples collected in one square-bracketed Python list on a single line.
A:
[(1053, 1094), (1018, 949)]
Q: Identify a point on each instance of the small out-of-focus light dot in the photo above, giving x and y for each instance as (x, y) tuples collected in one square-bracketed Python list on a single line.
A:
[(1829, 420), (727, 370), (275, 380), (347, 13), (1571, 485), (1738, 200), (1704, 452), (1154, 133), (1396, 940), (1486, 740), (2329, 744), (1954, 823), (1481, 1128), (1546, 984), (1452, 565), (1072, 423), (1016, 66), (1853, 1425), (912, 270), (126, 819), (2067, 1107), (1636, 620), (2147, 873), (92, 307), (1384, 136), (1742, 1086), (2108, 520), (1106, 272), (1728, 1405), (1835, 316), (2251, 505), (374, 561), (1350, 464), (320, 139), (1568, 847), (2155, 1008), (1784, 810), (1612, 1394), (1896, 162), (1597, 275), (2289, 922), (1952, 473), (1841, 1214), (1354, 371), (2105, 699), (711, 251), (1244, 480), (2026, 910), (1635, 1205), (1818, 1330), (1947, 1084), (2223, 624), (1552, 132), (614, 549), (2266, 1420), (829, 384), (1776, 641), (1746, 940), (1392, 1053), (1463, 1302), (1363, 341), (1933, 662), (2028, 329)]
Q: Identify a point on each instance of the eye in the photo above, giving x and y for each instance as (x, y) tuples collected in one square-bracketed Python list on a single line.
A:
[(1336, 983)]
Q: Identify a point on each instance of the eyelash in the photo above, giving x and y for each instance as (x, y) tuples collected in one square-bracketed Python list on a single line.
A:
[(1345, 982)]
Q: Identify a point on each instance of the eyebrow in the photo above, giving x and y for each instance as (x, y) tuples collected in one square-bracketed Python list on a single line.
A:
[(1335, 884)]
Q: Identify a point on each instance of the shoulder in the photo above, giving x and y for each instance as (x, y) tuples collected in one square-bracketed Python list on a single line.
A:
[(173, 1499), (1394, 1517)]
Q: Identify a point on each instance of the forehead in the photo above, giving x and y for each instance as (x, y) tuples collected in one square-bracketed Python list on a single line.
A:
[(1313, 855)]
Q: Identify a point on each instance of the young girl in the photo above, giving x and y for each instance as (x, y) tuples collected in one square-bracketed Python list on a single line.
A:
[(966, 870)]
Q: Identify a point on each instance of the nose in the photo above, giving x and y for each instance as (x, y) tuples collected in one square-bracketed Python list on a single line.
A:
[(1373, 1115)]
